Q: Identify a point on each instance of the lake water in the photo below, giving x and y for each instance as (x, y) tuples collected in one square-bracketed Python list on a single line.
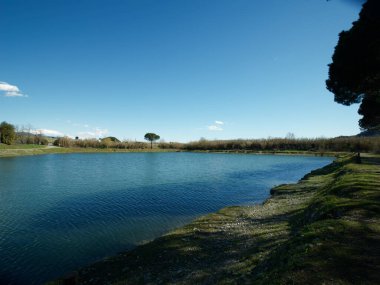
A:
[(60, 212)]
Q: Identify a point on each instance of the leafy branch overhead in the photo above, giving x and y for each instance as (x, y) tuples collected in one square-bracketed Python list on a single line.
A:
[(354, 74)]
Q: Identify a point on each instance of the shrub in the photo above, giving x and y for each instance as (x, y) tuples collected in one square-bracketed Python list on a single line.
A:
[(7, 133)]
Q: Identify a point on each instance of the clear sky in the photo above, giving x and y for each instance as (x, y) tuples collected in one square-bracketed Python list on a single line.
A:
[(183, 69)]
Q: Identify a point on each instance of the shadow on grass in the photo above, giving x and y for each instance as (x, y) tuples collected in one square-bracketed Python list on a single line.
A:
[(336, 239), (196, 257)]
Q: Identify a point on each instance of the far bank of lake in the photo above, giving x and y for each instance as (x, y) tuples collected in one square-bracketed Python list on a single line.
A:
[(27, 150)]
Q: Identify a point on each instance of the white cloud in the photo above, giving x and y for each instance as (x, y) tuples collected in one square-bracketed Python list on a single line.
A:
[(77, 124), (215, 128), (9, 90), (95, 133), (100, 132), (86, 135), (49, 133), (14, 94)]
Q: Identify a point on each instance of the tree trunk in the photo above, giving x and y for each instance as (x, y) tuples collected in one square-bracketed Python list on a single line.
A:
[(151, 144)]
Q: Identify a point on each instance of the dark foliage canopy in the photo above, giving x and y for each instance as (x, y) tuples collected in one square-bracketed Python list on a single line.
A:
[(7, 133), (151, 137), (354, 74)]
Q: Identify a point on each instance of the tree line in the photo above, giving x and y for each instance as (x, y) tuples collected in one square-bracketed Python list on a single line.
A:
[(10, 135), (317, 145)]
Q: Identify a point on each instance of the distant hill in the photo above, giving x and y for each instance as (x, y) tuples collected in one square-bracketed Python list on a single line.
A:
[(112, 139), (26, 134)]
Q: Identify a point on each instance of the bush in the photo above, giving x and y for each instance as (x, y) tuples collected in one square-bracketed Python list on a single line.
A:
[(63, 142), (350, 144), (7, 133)]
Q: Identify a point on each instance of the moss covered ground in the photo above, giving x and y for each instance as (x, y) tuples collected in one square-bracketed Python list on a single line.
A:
[(323, 230)]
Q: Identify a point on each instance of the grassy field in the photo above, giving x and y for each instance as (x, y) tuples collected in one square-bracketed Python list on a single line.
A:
[(20, 146), (22, 150), (323, 230)]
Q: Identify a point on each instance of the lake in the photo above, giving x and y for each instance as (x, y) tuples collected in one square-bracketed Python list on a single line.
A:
[(60, 212)]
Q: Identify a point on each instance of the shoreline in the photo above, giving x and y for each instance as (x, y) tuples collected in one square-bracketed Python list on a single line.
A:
[(302, 223), (63, 150), (14, 152)]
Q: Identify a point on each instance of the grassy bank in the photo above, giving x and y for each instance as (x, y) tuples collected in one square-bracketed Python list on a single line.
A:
[(20, 146), (22, 150), (25, 149), (323, 230)]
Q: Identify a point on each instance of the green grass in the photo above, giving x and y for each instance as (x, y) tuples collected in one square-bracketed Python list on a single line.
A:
[(38, 150), (336, 237), (23, 150), (20, 146), (323, 230)]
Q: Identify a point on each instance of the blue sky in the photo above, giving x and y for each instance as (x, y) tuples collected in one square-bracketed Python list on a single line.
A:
[(182, 69)]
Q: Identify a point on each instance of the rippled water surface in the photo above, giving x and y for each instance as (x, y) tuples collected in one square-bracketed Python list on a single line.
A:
[(60, 212)]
